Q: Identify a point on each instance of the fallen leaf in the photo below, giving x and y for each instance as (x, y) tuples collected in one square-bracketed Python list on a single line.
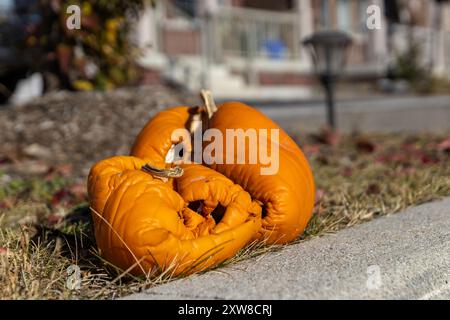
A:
[(62, 195), (64, 170), (323, 159), (444, 146), (4, 159), (79, 191), (311, 149), (373, 189), (72, 194), (328, 136), (7, 203), (320, 193), (364, 144), (426, 159), (347, 171), (53, 219)]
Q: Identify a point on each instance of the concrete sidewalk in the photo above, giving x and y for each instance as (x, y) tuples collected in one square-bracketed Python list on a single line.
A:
[(401, 256)]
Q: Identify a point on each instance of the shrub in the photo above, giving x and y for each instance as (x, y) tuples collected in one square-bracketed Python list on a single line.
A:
[(97, 56)]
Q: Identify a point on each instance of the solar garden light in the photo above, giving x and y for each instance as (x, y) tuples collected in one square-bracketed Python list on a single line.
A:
[(329, 52)]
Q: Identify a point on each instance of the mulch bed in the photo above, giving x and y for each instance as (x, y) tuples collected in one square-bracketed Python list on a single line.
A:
[(78, 128)]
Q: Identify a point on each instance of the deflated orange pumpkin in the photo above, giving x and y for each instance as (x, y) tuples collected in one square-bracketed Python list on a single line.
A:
[(156, 139), (288, 194), (144, 225)]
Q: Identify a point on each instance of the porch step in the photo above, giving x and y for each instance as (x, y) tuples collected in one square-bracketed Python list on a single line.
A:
[(187, 72)]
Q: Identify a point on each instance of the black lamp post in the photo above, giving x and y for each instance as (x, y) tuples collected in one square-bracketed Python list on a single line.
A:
[(329, 52)]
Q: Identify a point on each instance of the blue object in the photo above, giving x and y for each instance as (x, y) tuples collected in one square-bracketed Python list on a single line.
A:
[(275, 48)]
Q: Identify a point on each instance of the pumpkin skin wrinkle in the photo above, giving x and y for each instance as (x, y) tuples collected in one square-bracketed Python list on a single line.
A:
[(154, 141), (144, 223)]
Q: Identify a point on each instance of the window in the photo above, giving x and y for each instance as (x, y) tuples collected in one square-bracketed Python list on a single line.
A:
[(187, 6), (344, 15), (324, 14)]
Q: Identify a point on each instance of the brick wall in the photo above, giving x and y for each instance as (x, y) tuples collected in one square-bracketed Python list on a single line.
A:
[(149, 76), (181, 42)]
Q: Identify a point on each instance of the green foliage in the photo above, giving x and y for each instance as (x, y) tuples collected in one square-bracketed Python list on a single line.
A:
[(31, 189), (408, 65), (410, 68), (99, 55)]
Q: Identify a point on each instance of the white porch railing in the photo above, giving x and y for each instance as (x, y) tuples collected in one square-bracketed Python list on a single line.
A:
[(251, 39), (237, 32), (242, 32)]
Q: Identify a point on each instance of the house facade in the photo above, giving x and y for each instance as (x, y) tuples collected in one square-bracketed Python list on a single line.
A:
[(254, 46)]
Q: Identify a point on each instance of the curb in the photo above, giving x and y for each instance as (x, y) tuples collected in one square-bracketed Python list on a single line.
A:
[(400, 256)]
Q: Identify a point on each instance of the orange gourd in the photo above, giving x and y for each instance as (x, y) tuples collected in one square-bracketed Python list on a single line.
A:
[(155, 139), (180, 225), (287, 196)]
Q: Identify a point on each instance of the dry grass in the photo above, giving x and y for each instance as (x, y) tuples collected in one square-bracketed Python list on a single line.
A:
[(356, 184), (44, 232)]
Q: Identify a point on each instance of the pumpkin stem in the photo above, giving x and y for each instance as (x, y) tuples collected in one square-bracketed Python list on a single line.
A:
[(163, 174), (208, 100)]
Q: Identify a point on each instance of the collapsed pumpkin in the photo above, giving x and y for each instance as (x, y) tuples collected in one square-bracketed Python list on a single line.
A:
[(287, 195), (156, 139), (146, 224)]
